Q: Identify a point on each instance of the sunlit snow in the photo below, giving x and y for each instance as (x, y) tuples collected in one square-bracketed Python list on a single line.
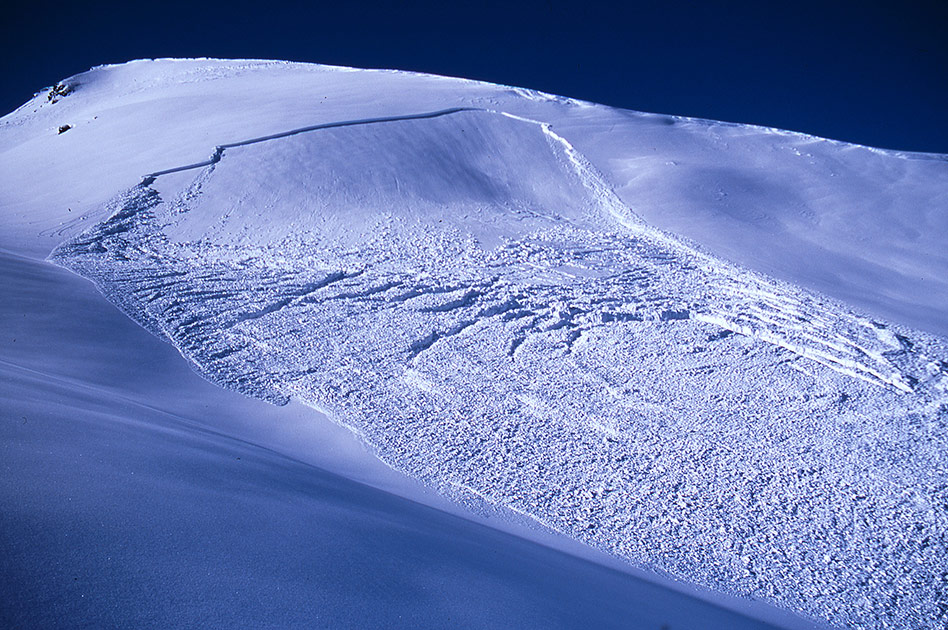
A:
[(709, 350)]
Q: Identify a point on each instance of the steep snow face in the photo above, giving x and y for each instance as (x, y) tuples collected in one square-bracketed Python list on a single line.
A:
[(494, 176), (858, 224), (541, 304), (464, 290)]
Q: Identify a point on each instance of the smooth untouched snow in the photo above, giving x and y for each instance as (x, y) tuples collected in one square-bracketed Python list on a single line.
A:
[(490, 287)]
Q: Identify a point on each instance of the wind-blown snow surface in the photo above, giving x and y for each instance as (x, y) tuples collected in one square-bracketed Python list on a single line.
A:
[(470, 278)]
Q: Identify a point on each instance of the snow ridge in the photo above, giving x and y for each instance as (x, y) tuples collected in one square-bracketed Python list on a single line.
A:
[(465, 291)]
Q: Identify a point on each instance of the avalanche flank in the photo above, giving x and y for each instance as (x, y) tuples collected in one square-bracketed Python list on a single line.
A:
[(691, 345)]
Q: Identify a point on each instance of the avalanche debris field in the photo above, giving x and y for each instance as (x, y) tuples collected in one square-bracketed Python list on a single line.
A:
[(468, 294)]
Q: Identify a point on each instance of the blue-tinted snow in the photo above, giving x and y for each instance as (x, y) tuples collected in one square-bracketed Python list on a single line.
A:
[(859, 224), (465, 292), (482, 296), (131, 497)]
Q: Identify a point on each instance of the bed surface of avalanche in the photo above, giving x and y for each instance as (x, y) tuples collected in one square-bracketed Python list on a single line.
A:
[(466, 292)]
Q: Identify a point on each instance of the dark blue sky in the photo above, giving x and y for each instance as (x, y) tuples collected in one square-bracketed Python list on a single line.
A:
[(869, 72)]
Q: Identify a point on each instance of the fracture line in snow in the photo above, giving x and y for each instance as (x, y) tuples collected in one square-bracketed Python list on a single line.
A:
[(219, 149), (594, 404), (623, 215)]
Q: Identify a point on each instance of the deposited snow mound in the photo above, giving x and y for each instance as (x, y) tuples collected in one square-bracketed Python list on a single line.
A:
[(467, 294)]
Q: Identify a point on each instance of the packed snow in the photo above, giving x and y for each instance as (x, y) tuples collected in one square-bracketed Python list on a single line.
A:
[(696, 347)]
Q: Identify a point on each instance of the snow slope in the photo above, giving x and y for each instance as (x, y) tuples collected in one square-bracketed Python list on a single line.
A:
[(137, 495), (540, 304), (859, 224)]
